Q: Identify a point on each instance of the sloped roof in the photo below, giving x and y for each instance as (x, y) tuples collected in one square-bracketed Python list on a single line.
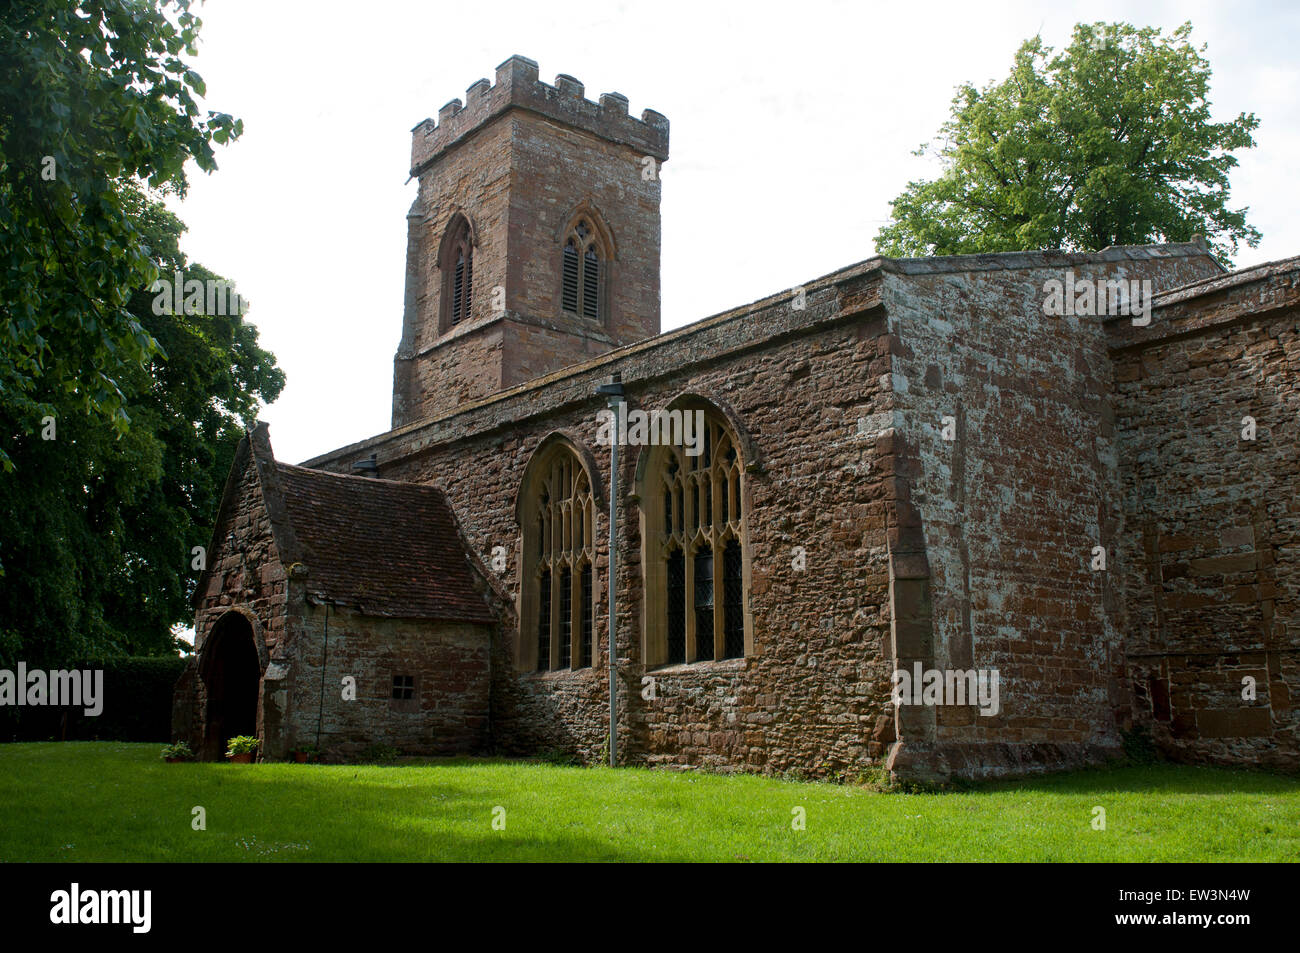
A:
[(383, 547)]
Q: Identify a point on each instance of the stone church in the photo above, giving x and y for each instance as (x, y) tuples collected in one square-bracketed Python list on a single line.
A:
[(904, 465)]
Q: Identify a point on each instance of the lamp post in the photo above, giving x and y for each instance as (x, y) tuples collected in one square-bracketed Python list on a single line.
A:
[(613, 394)]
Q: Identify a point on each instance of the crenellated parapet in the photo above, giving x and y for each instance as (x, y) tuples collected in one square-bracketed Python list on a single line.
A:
[(518, 87)]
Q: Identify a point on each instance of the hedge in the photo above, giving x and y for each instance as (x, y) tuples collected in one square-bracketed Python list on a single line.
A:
[(137, 706)]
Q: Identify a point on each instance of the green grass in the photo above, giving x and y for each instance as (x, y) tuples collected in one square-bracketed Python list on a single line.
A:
[(119, 802)]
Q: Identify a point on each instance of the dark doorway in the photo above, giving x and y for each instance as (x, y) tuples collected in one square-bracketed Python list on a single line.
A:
[(231, 673)]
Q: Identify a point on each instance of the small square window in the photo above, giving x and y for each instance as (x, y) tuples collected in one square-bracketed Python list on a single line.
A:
[(403, 687)]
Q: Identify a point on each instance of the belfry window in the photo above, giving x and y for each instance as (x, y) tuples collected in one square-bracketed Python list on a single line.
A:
[(581, 289), (458, 273), (557, 598), (694, 549)]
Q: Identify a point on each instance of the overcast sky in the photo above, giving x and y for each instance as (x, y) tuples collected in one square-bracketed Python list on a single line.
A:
[(792, 128)]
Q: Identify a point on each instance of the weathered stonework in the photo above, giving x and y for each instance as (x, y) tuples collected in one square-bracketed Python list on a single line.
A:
[(930, 463), (450, 664), (1211, 569), (1012, 507), (292, 607), (814, 694), (520, 160)]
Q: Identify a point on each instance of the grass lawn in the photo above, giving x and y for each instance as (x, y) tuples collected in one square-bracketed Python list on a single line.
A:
[(120, 802)]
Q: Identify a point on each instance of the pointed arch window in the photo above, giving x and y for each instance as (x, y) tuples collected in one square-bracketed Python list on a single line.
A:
[(694, 537), (583, 261), (557, 599), (458, 273)]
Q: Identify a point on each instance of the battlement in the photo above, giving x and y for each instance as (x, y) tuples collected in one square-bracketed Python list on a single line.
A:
[(518, 87)]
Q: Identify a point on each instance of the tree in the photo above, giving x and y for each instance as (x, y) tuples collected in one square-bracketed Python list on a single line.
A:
[(93, 95), (118, 421), (1107, 143), (100, 527)]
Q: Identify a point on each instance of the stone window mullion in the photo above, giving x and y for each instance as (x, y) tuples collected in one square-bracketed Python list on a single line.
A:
[(555, 616), (558, 587), (695, 522), (688, 567), (575, 615)]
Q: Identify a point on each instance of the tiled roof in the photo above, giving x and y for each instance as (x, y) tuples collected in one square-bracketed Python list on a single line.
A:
[(382, 547)]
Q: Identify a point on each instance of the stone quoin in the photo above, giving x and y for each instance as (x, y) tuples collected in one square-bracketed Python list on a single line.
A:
[(904, 463)]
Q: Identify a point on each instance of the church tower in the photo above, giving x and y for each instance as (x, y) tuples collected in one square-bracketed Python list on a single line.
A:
[(533, 243)]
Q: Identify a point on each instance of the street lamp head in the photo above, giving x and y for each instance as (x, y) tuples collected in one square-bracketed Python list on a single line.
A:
[(612, 390)]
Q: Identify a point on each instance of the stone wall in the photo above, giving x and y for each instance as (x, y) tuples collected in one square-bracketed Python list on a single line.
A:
[(449, 662), (557, 171), (245, 575), (971, 553), (519, 159), (814, 694), (474, 182), (1013, 504), (1211, 563)]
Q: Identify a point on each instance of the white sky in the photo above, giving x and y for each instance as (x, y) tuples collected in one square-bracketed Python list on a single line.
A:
[(787, 119)]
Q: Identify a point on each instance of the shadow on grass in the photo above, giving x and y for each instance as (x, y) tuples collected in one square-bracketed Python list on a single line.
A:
[(81, 801), (123, 803), (1161, 777)]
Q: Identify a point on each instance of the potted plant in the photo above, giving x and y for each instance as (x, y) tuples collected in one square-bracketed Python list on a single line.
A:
[(241, 748), (177, 752), (306, 753)]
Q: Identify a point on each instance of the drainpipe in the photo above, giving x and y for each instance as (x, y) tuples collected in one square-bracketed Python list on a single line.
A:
[(613, 393), (324, 657)]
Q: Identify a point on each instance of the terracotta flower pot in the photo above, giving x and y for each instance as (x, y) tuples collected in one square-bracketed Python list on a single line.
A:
[(244, 758), (301, 757), (173, 760)]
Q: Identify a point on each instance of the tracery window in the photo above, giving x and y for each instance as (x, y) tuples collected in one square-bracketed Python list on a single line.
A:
[(694, 534), (581, 269), (557, 585), (458, 272)]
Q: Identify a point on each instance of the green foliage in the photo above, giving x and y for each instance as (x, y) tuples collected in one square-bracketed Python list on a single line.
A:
[(94, 96), (1108, 143), (1139, 746), (137, 705), (242, 744), (101, 527), (875, 778), (380, 754), (101, 521), (442, 812), (562, 756), (179, 751)]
